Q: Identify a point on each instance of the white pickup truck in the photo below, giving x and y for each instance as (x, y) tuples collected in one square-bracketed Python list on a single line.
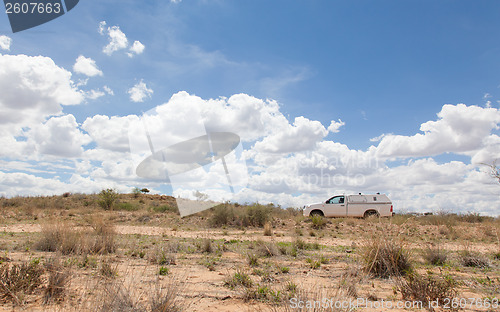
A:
[(360, 206)]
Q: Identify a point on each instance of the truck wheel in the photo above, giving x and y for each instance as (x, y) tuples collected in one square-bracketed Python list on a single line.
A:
[(371, 213), (316, 213)]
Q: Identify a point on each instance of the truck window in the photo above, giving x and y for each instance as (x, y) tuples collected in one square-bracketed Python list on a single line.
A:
[(336, 200)]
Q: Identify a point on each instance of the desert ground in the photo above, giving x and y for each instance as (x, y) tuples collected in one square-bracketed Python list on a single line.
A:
[(132, 252)]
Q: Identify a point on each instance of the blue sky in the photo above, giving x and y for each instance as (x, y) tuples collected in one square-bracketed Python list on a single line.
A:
[(380, 67)]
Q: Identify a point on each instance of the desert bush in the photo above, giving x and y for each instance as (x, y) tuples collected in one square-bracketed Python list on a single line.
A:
[(386, 257), (163, 271), (473, 217), (252, 259), (435, 256), (313, 264), (167, 298), (136, 191), (426, 289), (222, 215), (441, 218), (107, 270), (318, 222), (116, 297), (165, 208), (161, 256), (257, 215), (19, 279), (206, 246), (268, 229), (126, 207), (292, 294), (58, 280), (239, 278), (266, 249), (471, 259), (62, 237), (103, 240), (107, 198)]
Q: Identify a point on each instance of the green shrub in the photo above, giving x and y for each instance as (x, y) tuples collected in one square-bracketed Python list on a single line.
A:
[(222, 215), (253, 259), (126, 207), (107, 198), (239, 279), (136, 191), (257, 215), (163, 271), (165, 208), (318, 222)]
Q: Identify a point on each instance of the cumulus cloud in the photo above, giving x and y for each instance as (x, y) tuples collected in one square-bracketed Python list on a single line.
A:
[(288, 162), (302, 135), (108, 90), (136, 48), (459, 129), (86, 66), (59, 136), (33, 88), (117, 39), (94, 94), (140, 92), (109, 132), (5, 43), (335, 126)]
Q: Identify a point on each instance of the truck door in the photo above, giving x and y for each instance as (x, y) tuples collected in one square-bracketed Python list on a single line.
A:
[(336, 207)]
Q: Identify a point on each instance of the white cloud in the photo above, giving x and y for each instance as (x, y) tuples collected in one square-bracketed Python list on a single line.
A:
[(117, 39), (140, 92), (251, 118), (108, 90), (284, 158), (33, 88), (335, 126), (460, 129), (102, 27), (5, 43), (109, 132), (136, 48), (94, 94), (86, 66), (301, 136), (59, 136)]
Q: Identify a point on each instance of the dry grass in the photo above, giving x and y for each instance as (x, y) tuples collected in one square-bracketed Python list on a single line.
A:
[(64, 238), (427, 288), (385, 257), (93, 250), (472, 259), (18, 280), (58, 281), (268, 229), (435, 255)]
